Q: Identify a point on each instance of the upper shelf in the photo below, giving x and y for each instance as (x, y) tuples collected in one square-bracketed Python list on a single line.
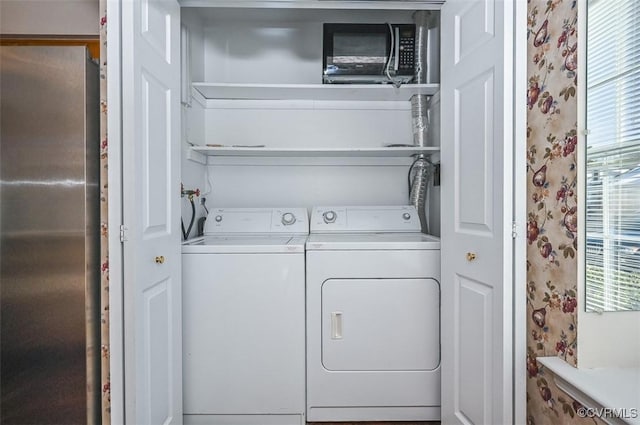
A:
[(317, 4), (367, 92), (314, 152)]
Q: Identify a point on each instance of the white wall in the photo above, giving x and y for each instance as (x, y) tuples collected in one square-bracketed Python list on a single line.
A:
[(49, 17), (307, 183), (610, 339)]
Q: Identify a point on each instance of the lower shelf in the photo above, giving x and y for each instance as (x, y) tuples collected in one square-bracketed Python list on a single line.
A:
[(350, 92), (314, 152)]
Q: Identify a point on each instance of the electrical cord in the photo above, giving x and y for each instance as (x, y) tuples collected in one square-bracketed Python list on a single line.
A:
[(208, 186), (203, 201), (186, 233), (391, 51)]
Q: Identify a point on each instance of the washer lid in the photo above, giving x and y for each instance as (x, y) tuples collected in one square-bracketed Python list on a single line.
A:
[(245, 244), (372, 241)]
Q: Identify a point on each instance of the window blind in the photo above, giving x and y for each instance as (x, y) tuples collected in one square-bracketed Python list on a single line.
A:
[(613, 156)]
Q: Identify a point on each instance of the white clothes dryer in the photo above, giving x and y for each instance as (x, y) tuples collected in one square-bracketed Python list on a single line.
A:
[(373, 316), (243, 318)]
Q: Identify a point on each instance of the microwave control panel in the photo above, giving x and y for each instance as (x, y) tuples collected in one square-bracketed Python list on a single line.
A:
[(407, 46)]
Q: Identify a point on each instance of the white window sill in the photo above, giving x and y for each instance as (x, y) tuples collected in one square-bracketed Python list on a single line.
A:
[(617, 389)]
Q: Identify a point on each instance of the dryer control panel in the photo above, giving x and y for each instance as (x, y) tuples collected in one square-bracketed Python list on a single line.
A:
[(376, 219), (239, 221)]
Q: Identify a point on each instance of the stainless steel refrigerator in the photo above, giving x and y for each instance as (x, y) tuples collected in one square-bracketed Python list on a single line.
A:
[(49, 236)]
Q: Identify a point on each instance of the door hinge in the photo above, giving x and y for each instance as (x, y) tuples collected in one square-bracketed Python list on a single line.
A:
[(514, 230), (123, 236)]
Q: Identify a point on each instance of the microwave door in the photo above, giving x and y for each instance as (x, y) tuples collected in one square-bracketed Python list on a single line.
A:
[(356, 49)]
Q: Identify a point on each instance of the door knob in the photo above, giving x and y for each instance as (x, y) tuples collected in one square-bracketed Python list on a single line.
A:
[(471, 256), (160, 259)]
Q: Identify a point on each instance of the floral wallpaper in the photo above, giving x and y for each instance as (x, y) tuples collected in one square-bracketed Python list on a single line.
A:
[(104, 222), (552, 205)]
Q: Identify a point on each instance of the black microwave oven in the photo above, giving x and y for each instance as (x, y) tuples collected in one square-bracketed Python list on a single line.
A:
[(368, 53)]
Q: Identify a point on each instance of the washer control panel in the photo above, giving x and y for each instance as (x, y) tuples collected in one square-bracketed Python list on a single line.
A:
[(257, 221), (375, 219)]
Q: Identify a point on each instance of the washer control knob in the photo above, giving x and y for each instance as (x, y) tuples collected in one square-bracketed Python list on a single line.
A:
[(218, 218), (288, 219), (406, 216), (329, 216)]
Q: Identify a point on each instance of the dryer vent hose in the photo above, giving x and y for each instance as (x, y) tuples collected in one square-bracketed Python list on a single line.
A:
[(420, 119), (421, 166), (418, 192), (419, 171), (422, 20), (426, 47)]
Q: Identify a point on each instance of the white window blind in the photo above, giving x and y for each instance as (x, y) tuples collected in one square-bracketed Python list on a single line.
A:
[(613, 156)]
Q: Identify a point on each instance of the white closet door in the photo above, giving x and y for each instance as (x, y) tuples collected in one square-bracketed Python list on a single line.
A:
[(477, 183), (151, 185)]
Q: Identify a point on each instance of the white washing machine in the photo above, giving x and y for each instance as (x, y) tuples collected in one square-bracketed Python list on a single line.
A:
[(373, 316), (243, 318)]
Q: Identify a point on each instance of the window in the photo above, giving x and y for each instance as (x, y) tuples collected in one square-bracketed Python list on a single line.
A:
[(613, 156)]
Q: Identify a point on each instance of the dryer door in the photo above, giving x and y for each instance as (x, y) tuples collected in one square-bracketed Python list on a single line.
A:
[(380, 324)]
